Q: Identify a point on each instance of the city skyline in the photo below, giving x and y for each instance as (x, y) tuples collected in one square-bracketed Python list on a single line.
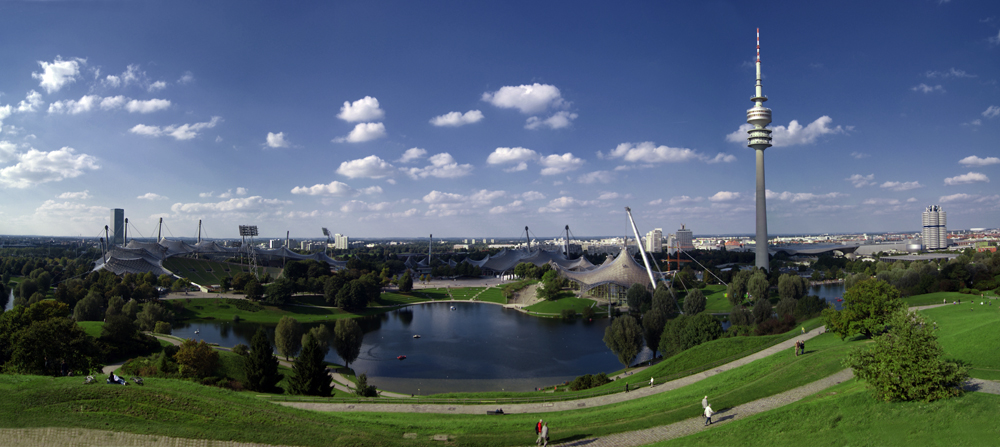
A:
[(472, 120)]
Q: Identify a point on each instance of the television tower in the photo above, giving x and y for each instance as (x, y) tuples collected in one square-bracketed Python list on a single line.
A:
[(760, 139)]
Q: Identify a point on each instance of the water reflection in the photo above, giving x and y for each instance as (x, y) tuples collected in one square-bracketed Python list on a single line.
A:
[(475, 347)]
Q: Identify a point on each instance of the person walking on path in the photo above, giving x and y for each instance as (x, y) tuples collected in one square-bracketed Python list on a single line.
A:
[(650, 382), (708, 415), (802, 344), (538, 431), (796, 348), (704, 403), (626, 387), (544, 435)]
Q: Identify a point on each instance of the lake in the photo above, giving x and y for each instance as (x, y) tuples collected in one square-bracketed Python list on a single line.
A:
[(476, 347)]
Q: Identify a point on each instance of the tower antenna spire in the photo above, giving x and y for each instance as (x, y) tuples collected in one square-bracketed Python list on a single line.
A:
[(760, 139)]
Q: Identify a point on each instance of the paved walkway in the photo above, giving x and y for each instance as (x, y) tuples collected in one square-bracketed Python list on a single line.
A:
[(697, 424)]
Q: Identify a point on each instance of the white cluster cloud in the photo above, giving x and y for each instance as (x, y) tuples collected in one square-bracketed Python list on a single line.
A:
[(859, 155), (363, 132), (50, 210), (456, 119), (152, 196), (533, 99), (58, 73), (369, 167), (32, 102), (449, 204), (276, 140), (963, 179), (793, 134), (533, 195), (565, 203), (952, 73), (901, 186), (973, 160), (880, 202), (596, 177), (725, 196), (34, 167), (89, 102), (78, 195), (364, 109), (991, 112), (859, 180), (242, 205), (960, 197), (799, 196), (558, 120), (241, 191), (412, 154), (516, 206), (179, 132), (649, 152), (924, 88), (558, 164), (133, 75), (442, 165), (358, 206), (334, 189)]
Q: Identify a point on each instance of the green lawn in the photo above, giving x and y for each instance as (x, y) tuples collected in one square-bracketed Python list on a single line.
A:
[(566, 302), (971, 332), (715, 299), (846, 414), (92, 328), (432, 294), (939, 298), (493, 295)]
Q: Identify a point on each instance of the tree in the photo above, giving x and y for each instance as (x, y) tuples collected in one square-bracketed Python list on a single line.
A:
[(41, 347), (737, 288), (279, 292), (196, 359), (550, 285), (652, 328), (638, 298), (664, 300), (89, 308), (694, 302), (363, 389), (685, 332), (740, 316), (332, 286), (905, 363), (130, 309), (757, 285), (260, 366), (624, 338), (288, 336), (792, 286), (787, 307), (253, 290), (309, 375), (115, 305), (762, 311), (866, 309), (347, 338), (151, 313), (322, 336), (406, 282), (354, 296)]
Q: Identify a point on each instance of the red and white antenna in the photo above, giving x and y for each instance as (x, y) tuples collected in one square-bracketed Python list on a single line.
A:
[(758, 44)]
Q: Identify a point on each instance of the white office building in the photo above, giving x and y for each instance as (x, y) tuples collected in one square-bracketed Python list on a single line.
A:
[(935, 228), (654, 241)]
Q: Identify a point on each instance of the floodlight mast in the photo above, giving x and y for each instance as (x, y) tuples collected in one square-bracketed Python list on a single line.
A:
[(251, 231), (638, 242)]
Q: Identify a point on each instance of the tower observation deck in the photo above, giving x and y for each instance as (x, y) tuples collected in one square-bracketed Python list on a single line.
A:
[(760, 139)]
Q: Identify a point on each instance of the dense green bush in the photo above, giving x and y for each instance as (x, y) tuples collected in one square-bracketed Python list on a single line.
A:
[(588, 381), (568, 314)]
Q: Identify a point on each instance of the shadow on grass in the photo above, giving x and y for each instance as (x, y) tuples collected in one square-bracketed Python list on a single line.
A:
[(575, 440)]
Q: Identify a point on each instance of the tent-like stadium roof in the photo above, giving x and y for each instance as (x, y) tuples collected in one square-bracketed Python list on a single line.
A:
[(143, 257), (508, 259), (622, 271)]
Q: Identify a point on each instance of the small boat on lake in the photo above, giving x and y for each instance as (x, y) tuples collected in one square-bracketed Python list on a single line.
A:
[(416, 336), (840, 299), (452, 307), (401, 357)]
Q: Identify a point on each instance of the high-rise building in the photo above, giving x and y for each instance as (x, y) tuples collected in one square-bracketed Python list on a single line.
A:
[(117, 227), (654, 241), (935, 226), (760, 139), (340, 241), (685, 238)]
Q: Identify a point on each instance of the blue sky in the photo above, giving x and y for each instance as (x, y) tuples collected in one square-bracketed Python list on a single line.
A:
[(473, 119)]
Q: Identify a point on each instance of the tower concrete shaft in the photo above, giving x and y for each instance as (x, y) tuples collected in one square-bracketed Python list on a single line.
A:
[(760, 139)]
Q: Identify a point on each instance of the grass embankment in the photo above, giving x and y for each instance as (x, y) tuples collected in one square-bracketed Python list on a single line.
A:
[(224, 309), (942, 297), (183, 409), (970, 332), (846, 414), (715, 299), (564, 302)]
